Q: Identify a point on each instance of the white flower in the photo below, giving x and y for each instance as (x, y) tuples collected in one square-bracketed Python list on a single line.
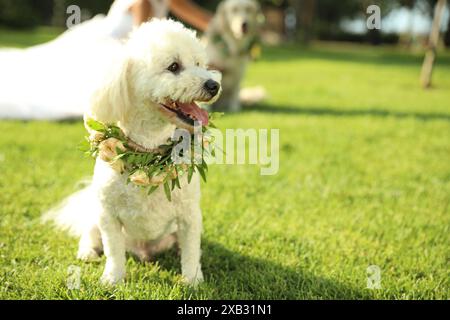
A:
[(172, 172), (107, 149), (140, 178), (96, 136), (158, 179)]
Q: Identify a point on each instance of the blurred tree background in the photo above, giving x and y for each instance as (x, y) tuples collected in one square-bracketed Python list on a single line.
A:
[(297, 20)]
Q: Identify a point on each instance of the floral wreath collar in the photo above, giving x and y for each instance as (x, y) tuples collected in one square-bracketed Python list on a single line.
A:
[(147, 168)]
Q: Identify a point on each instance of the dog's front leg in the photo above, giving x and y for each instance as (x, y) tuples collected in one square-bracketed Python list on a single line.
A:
[(234, 104), (114, 248), (90, 244), (189, 238)]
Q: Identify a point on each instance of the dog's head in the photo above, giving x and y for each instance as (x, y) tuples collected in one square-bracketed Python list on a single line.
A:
[(241, 17), (163, 73)]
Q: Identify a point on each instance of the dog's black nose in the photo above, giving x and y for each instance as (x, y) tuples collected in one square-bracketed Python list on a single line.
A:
[(244, 27), (212, 87)]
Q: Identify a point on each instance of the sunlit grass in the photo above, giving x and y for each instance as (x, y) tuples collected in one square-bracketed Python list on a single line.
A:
[(364, 180), (21, 39)]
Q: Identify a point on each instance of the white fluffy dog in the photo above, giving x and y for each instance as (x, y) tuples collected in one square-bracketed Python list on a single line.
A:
[(161, 72), (230, 37)]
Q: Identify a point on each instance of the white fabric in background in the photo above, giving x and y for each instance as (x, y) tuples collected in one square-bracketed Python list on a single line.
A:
[(55, 80)]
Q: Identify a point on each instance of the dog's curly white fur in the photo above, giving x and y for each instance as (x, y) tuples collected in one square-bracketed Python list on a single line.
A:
[(112, 216)]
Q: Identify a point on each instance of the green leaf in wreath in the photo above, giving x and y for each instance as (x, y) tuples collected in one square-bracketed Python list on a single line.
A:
[(167, 191), (95, 125), (177, 181), (151, 190), (84, 145), (202, 172), (190, 173), (215, 115), (212, 125)]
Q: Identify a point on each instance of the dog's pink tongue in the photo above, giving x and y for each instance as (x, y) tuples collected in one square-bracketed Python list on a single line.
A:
[(195, 111)]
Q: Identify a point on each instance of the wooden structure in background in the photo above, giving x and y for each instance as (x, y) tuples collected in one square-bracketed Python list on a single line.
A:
[(430, 56)]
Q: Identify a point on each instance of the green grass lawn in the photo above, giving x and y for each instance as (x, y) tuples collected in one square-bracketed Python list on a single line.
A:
[(364, 180), (21, 39)]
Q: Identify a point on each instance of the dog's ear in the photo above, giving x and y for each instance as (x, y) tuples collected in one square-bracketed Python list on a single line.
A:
[(111, 101), (219, 22)]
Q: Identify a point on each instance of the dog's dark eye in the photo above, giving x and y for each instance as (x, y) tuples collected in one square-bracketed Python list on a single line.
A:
[(174, 67), (197, 64)]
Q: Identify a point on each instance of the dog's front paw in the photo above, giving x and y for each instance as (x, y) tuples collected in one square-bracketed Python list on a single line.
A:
[(87, 254), (194, 280), (111, 278)]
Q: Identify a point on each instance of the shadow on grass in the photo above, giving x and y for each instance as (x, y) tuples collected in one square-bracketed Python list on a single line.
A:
[(345, 113), (231, 275)]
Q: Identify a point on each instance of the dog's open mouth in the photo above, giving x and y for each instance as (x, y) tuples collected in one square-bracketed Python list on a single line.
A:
[(184, 114)]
